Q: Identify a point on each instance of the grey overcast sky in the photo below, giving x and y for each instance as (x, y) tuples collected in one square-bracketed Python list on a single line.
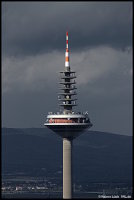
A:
[(33, 49)]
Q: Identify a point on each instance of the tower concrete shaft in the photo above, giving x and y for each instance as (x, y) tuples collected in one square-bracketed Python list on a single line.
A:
[(67, 168)]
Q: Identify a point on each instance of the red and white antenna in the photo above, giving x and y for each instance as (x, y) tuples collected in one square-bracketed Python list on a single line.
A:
[(67, 64)]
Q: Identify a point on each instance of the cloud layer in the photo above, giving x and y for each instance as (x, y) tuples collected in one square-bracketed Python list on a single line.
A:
[(38, 72)]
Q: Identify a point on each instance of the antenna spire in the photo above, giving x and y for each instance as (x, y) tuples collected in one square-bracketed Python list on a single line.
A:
[(67, 64)]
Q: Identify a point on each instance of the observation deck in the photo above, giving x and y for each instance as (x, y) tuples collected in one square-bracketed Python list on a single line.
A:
[(69, 125)]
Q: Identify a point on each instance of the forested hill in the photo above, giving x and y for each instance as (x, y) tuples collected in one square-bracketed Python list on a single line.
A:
[(97, 156)]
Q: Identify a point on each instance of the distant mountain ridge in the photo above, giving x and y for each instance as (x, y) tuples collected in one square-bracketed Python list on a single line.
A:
[(97, 156)]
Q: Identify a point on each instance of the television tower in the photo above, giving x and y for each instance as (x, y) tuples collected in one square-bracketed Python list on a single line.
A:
[(67, 123)]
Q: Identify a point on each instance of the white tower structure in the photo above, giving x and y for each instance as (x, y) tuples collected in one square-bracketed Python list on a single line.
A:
[(67, 124)]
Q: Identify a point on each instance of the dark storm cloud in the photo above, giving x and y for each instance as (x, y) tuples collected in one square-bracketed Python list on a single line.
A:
[(37, 27)]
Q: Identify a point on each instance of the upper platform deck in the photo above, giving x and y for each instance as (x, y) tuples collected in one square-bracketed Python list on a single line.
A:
[(69, 115), (67, 72)]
